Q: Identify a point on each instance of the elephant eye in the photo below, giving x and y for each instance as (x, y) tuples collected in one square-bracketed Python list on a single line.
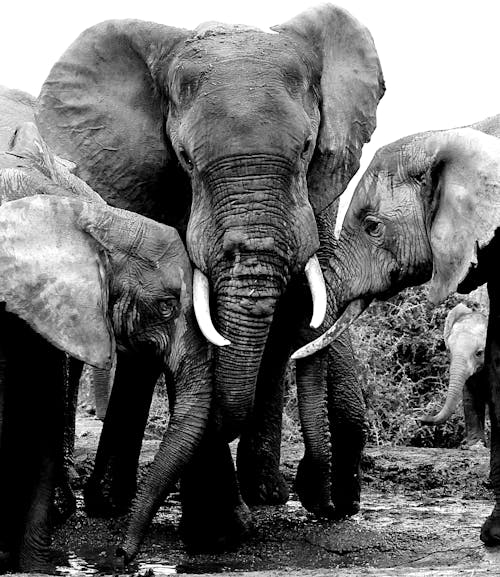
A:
[(168, 308), (307, 146), (188, 163), (373, 227), (480, 353)]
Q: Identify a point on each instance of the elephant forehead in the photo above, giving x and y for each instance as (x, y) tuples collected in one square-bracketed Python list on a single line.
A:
[(473, 326), (215, 53)]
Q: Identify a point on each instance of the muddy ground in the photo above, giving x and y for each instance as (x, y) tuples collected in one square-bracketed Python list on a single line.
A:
[(421, 514)]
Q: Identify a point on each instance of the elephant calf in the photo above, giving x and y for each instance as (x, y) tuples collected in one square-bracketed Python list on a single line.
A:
[(465, 338), (86, 279)]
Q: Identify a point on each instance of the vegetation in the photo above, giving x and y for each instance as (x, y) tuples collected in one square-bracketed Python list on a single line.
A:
[(403, 368)]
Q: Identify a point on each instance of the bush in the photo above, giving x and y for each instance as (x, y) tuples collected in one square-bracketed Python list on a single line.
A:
[(403, 367)]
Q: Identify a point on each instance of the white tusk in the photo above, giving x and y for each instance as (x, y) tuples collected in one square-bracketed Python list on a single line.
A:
[(318, 291), (351, 313), (202, 310)]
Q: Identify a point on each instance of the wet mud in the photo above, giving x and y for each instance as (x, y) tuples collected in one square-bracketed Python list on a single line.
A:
[(421, 513)]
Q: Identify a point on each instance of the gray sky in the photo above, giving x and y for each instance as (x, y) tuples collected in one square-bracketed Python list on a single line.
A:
[(440, 57)]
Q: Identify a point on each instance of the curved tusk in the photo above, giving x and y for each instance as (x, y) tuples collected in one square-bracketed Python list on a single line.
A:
[(318, 291), (202, 310), (351, 313)]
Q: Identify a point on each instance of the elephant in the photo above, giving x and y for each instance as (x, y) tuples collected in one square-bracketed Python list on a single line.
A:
[(426, 209), (95, 282), (465, 338), (240, 139)]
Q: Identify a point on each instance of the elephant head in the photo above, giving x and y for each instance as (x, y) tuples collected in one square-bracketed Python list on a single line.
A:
[(84, 275), (235, 136), (425, 209), (465, 338)]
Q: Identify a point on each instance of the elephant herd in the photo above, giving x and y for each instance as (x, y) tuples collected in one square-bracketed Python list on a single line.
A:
[(168, 204)]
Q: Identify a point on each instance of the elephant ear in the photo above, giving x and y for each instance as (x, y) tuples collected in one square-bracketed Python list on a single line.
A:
[(457, 312), (351, 87), (53, 276), (463, 204), (101, 108)]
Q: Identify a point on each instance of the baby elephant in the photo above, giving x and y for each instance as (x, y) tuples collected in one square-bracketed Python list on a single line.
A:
[(465, 338), (84, 278)]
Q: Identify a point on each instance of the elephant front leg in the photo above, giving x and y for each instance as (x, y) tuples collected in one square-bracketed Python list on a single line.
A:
[(348, 425), (112, 485), (474, 409), (259, 448), (490, 531), (313, 481), (214, 516)]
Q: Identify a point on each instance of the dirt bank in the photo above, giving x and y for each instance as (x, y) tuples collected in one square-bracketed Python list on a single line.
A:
[(421, 514)]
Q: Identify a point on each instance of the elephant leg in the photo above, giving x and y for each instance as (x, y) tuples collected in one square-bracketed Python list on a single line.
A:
[(490, 531), (102, 381), (33, 444), (313, 480), (474, 410), (347, 415), (214, 516), (112, 485), (65, 501), (259, 448)]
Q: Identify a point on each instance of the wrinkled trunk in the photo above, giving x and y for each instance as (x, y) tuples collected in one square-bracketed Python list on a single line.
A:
[(245, 321), (260, 232), (459, 373), (192, 376)]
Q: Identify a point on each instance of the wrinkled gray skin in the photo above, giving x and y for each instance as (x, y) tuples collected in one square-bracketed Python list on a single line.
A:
[(465, 339), (427, 209), (240, 139), (148, 276)]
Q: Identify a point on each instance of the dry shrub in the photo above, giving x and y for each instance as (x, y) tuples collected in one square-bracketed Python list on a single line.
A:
[(403, 367)]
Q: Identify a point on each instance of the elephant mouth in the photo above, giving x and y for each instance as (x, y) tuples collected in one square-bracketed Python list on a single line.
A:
[(201, 301)]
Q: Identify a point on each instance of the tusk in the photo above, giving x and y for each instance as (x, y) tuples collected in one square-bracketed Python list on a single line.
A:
[(318, 291), (351, 313), (202, 310)]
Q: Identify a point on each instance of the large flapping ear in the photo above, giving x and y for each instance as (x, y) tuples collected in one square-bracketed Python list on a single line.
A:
[(456, 313), (53, 276), (465, 192), (101, 107), (351, 87)]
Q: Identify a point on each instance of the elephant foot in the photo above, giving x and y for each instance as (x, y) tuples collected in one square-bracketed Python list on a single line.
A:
[(259, 478), (313, 489), (268, 490), (64, 504), (346, 495), (216, 532), (490, 531), (107, 499)]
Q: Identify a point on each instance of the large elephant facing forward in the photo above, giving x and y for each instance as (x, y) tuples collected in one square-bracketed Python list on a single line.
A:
[(239, 138), (427, 208)]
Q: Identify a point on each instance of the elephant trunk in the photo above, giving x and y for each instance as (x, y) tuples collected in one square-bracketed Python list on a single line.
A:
[(251, 229), (459, 373), (186, 426), (244, 316)]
